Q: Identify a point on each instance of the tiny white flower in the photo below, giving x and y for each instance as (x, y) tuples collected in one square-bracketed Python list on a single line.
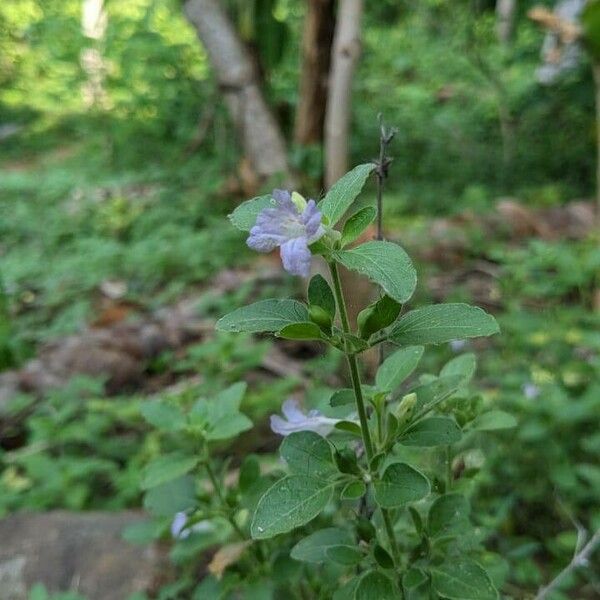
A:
[(179, 531)]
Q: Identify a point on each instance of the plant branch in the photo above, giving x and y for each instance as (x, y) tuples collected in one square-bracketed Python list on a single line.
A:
[(580, 559)]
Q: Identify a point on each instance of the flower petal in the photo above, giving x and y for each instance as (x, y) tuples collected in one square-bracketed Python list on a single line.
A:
[(296, 257)]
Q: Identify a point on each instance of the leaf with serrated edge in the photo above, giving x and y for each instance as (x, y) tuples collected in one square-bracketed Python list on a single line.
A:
[(400, 484), (343, 193), (289, 503), (308, 453), (462, 579), (440, 323), (385, 264), (266, 315)]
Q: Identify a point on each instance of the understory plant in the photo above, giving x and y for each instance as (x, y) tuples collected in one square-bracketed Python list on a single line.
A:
[(369, 501)]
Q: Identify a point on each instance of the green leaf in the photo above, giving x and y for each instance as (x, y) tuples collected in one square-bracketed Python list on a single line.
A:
[(307, 453), (440, 323), (266, 315), (172, 497), (163, 416), (383, 558), (590, 19), (463, 365), (312, 548), (400, 484), (431, 394), (357, 223), (230, 399), (349, 427), (377, 316), (301, 331), (493, 421), (244, 216), (228, 426), (385, 264), (433, 431), (344, 554), (374, 585), (342, 397), (353, 490), (343, 193), (462, 579), (166, 468), (448, 515), (289, 503), (249, 472), (416, 585), (397, 367), (320, 294)]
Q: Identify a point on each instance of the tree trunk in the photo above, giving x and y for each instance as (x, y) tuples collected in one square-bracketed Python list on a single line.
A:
[(93, 26), (505, 19), (346, 50), (317, 39), (262, 141)]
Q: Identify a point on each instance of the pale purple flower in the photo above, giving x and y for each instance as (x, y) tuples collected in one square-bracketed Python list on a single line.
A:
[(531, 391), (296, 420), (179, 531), (457, 345), (292, 224)]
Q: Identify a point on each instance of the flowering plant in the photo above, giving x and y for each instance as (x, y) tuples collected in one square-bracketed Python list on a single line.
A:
[(372, 505)]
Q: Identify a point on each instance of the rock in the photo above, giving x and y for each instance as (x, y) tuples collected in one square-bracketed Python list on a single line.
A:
[(80, 552)]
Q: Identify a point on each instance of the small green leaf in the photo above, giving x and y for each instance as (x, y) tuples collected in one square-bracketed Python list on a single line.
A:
[(307, 453), (357, 223), (433, 431), (172, 497), (301, 331), (429, 395), (166, 468), (353, 490), (320, 294), (249, 472), (493, 421), (374, 585), (400, 484), (440, 323), (377, 316), (462, 579), (385, 264), (289, 503), (346, 461), (312, 548), (342, 397), (383, 558), (343, 193), (416, 585), (349, 427), (244, 216), (344, 554), (163, 416), (463, 365), (266, 315), (448, 515), (397, 367)]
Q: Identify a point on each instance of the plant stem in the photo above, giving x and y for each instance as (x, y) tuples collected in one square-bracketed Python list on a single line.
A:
[(448, 469), (352, 363), (360, 403)]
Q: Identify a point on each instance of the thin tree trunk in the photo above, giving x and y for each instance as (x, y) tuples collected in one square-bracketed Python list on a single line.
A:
[(317, 39), (505, 19), (260, 136), (93, 26), (346, 50)]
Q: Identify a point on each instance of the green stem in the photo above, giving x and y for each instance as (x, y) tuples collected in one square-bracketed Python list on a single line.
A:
[(448, 469), (360, 402), (352, 363)]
